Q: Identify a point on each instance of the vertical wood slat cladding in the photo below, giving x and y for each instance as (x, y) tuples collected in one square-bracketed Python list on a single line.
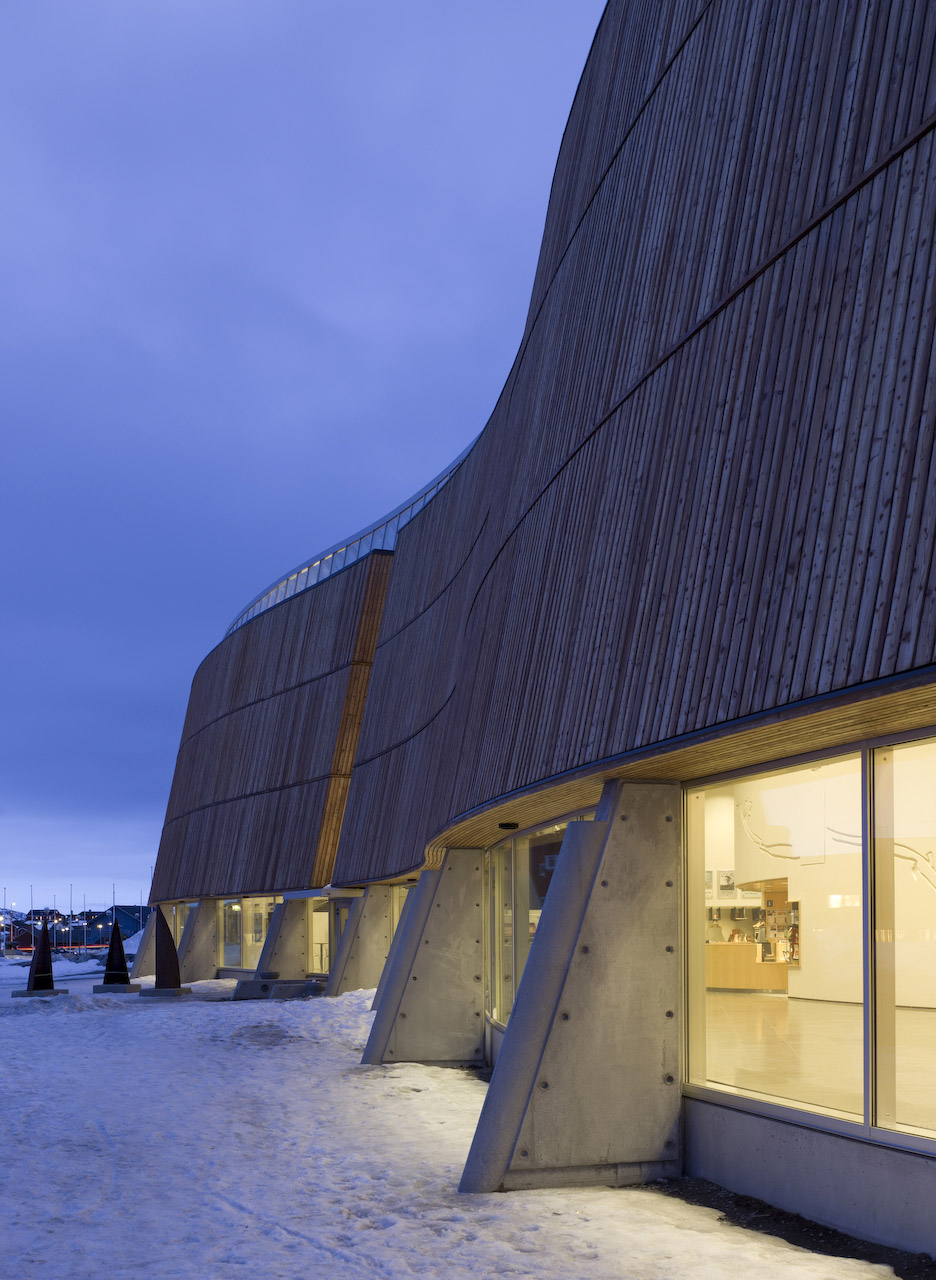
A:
[(632, 49), (350, 723), (707, 489), (260, 783)]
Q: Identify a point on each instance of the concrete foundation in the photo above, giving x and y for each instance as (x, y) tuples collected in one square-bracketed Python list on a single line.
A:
[(199, 945), (167, 992), (297, 990), (877, 1193), (432, 1003), (365, 943), (58, 991), (115, 988), (254, 988), (586, 1086)]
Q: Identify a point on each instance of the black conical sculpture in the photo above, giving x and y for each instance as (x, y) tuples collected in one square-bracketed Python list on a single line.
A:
[(168, 981), (40, 982), (116, 974)]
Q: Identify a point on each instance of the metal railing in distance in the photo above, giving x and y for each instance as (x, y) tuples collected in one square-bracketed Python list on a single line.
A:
[(380, 536)]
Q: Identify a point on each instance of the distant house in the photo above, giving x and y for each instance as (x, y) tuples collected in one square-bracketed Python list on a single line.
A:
[(22, 936), (130, 919)]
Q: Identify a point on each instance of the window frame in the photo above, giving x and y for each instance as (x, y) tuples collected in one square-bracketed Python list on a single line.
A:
[(866, 1129)]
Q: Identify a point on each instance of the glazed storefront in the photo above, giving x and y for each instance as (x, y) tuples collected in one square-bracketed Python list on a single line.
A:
[(811, 941), (517, 875), (809, 944), (244, 923), (242, 927)]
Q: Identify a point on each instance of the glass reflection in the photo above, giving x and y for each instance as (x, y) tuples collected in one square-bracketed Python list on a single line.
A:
[(517, 877), (905, 935), (177, 914), (318, 937), (256, 914), (231, 933), (775, 936)]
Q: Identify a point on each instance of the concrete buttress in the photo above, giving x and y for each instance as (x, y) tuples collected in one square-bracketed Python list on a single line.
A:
[(432, 1002), (365, 943), (586, 1086), (198, 946)]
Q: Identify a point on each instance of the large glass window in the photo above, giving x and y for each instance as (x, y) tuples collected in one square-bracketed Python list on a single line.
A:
[(500, 931), (177, 913), (775, 936), (231, 933), (517, 874), (904, 799), (256, 915), (318, 936)]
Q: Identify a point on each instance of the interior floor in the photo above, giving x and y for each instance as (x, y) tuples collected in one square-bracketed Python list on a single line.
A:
[(810, 1053)]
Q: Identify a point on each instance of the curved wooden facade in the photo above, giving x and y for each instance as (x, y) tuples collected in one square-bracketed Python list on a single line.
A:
[(705, 497), (269, 736), (699, 528)]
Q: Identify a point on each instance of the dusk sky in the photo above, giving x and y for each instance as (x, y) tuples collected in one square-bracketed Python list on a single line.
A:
[(265, 266)]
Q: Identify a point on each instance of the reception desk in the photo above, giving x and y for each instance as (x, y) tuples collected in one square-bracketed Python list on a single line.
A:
[(737, 966)]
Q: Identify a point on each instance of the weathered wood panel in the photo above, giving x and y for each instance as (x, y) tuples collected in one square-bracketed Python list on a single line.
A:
[(258, 795), (707, 490)]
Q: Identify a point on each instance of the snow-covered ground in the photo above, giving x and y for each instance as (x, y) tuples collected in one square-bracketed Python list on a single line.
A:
[(15, 970), (202, 1138)]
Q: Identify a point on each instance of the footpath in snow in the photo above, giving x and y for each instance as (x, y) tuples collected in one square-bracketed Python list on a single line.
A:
[(201, 1138)]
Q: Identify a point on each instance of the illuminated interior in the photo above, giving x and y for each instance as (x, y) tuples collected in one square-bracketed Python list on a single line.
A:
[(779, 936), (517, 875), (243, 928)]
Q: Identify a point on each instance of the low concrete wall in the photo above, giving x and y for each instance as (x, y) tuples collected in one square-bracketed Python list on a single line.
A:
[(875, 1192)]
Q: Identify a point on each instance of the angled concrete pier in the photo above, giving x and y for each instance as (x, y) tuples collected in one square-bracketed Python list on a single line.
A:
[(432, 999), (598, 1002)]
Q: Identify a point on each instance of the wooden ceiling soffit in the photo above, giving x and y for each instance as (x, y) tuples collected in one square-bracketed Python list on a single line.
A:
[(855, 716)]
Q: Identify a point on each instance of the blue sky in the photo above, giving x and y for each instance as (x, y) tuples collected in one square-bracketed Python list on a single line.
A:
[(265, 267)]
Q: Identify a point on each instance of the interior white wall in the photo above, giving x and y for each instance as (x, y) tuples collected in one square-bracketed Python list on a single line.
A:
[(912, 826), (803, 825)]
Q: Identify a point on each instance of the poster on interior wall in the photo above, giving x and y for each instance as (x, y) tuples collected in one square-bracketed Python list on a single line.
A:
[(708, 884), (726, 884), (751, 893)]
